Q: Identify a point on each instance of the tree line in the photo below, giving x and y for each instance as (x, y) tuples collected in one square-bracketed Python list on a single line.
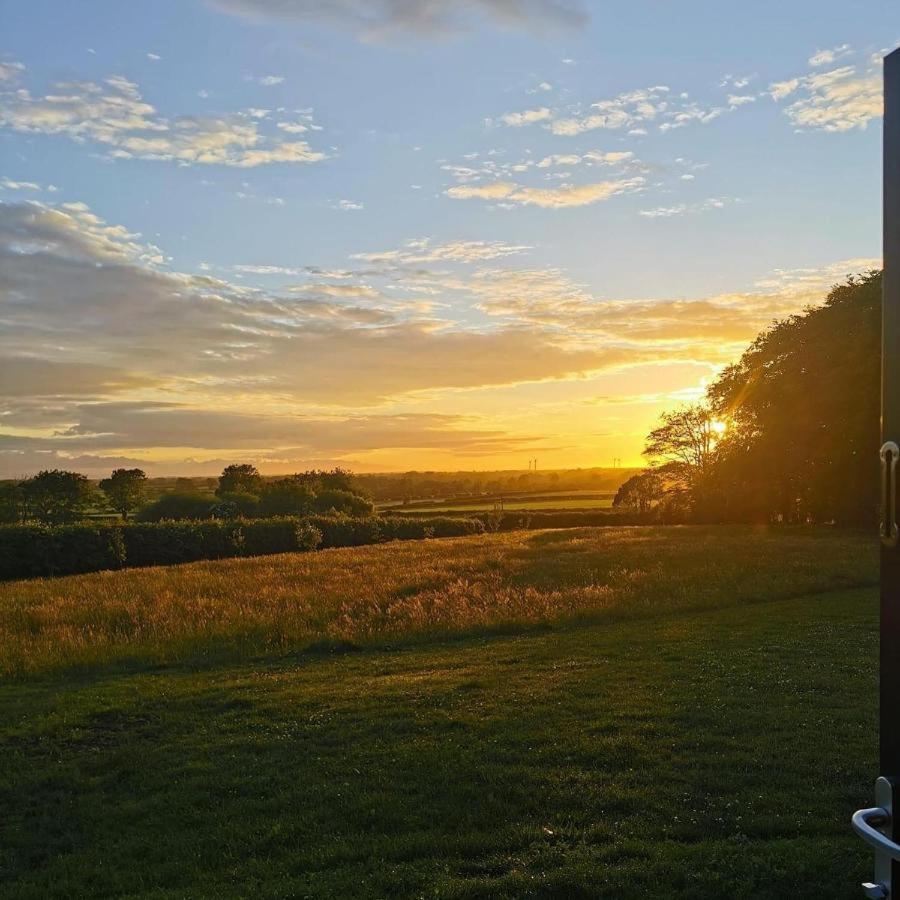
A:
[(788, 433), (60, 497)]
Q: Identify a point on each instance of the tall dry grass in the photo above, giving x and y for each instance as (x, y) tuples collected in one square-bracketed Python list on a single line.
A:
[(410, 591)]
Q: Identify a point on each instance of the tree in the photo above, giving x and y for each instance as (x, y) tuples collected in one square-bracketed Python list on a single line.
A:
[(343, 502), (234, 504), (12, 502), (803, 403), (641, 492), (125, 489), (243, 478), (56, 497), (177, 505), (290, 496)]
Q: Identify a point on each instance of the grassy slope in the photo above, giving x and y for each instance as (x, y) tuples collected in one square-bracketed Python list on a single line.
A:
[(684, 751), (416, 590)]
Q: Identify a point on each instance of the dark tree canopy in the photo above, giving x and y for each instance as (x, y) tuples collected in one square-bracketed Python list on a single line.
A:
[(125, 490), (239, 478), (56, 497), (802, 413)]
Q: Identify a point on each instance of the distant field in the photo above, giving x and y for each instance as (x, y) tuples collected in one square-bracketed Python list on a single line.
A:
[(614, 713), (544, 503)]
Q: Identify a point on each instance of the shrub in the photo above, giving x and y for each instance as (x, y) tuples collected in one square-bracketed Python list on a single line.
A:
[(348, 531), (398, 528), (449, 526), (166, 543), (29, 551), (177, 506), (341, 501), (232, 504), (290, 496), (266, 536)]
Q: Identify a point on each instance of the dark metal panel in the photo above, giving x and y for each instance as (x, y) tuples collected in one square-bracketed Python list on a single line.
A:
[(890, 417), (889, 693)]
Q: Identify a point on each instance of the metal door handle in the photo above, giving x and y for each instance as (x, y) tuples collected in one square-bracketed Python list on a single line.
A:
[(866, 823), (889, 532), (875, 827)]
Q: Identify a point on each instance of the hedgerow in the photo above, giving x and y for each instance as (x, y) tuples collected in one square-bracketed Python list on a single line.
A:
[(30, 551)]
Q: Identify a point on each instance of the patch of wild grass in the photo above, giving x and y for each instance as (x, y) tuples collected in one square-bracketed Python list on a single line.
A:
[(407, 592)]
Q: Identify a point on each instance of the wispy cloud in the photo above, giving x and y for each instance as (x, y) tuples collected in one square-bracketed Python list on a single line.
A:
[(665, 212), (528, 117), (109, 354), (547, 198), (837, 100), (115, 115), (10, 71), (827, 57)]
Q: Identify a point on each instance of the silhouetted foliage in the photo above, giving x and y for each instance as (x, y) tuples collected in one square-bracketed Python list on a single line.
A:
[(333, 500), (242, 478), (12, 502), (125, 490), (802, 413), (57, 497), (641, 492), (177, 506), (291, 496), (234, 504)]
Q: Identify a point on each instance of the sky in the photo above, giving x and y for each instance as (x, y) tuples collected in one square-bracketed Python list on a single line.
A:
[(412, 234)]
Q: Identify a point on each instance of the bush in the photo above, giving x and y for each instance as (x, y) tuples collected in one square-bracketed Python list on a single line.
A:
[(348, 531), (177, 506), (449, 526), (29, 551), (340, 501), (266, 536), (400, 529), (166, 543), (234, 504)]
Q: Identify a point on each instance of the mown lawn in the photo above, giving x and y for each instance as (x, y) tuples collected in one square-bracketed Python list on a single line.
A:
[(709, 740)]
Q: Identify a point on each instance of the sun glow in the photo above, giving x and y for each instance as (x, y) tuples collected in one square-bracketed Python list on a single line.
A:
[(718, 426)]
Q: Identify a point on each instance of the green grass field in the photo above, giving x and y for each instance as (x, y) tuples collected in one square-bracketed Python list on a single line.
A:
[(544, 500), (681, 712)]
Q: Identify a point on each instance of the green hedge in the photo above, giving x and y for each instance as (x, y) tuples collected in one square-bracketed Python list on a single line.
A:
[(29, 551)]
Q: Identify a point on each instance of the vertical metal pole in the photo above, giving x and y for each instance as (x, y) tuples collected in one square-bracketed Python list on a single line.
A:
[(889, 694)]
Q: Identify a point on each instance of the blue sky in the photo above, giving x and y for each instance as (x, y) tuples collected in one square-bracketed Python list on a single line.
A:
[(387, 235)]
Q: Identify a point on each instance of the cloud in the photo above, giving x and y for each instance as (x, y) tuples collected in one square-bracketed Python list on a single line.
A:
[(269, 80), (108, 354), (154, 56), (421, 250), (827, 57), (665, 212), (115, 115), (348, 205), (837, 100), (379, 19), (547, 198), (10, 71), (9, 185), (636, 109), (528, 117), (592, 157)]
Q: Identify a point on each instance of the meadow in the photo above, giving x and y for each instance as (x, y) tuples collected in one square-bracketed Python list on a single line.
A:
[(543, 501), (671, 712)]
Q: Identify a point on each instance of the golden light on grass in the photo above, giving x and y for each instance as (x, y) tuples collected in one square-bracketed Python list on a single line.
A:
[(407, 592)]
